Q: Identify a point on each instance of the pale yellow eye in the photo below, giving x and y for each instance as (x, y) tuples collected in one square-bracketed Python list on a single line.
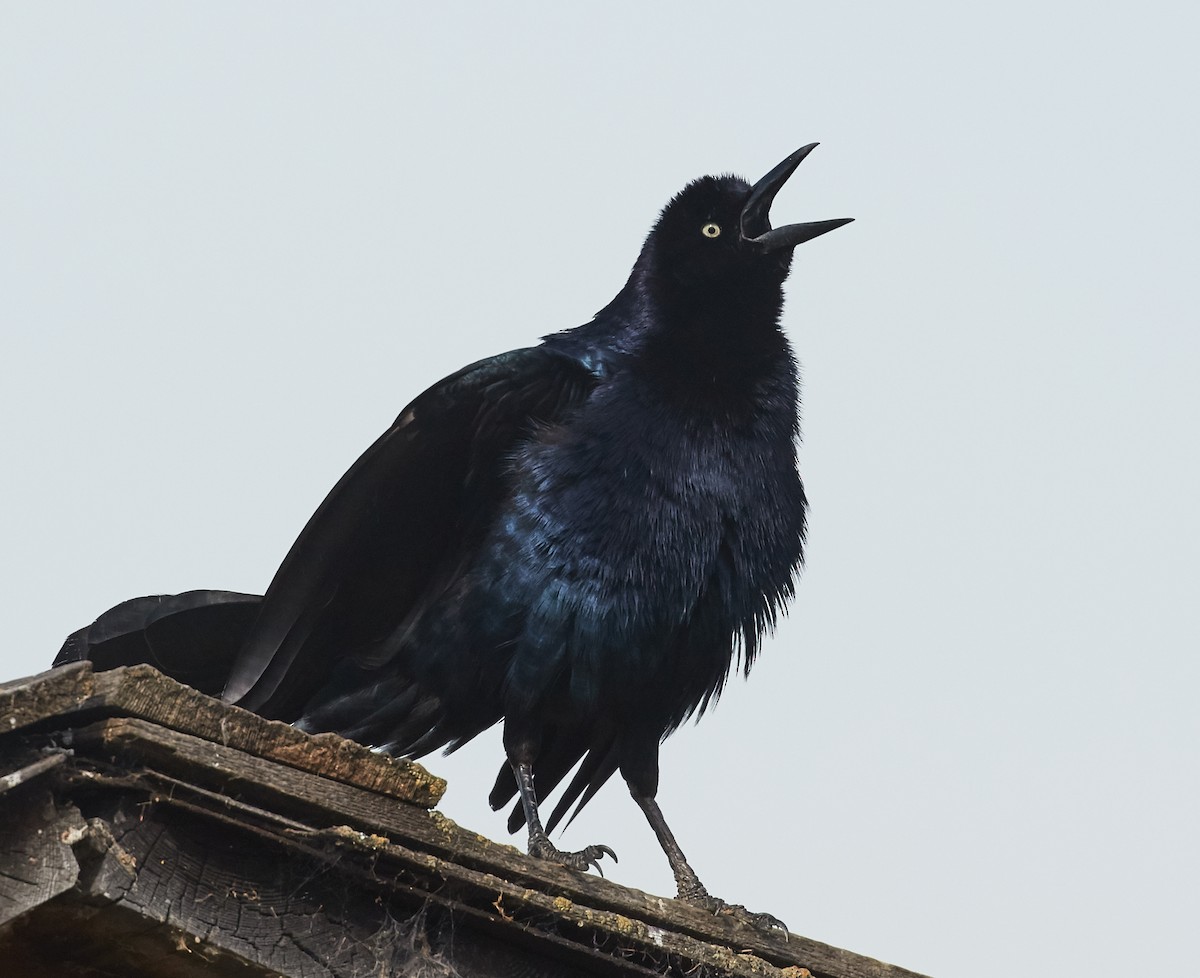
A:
[(711, 230)]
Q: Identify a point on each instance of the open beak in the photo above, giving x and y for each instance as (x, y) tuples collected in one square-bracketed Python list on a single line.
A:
[(756, 222)]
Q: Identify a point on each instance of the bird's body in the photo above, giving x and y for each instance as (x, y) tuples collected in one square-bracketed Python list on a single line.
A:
[(577, 539)]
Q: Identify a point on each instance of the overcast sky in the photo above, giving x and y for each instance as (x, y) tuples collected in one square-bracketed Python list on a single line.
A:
[(236, 239)]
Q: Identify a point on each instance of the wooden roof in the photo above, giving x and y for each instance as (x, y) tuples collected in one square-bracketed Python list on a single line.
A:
[(146, 828)]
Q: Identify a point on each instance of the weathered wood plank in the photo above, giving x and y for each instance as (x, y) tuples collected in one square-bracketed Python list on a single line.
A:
[(36, 861), (144, 692), (515, 904), (27, 772), (239, 774), (164, 747), (59, 691), (325, 904), (292, 911), (440, 847)]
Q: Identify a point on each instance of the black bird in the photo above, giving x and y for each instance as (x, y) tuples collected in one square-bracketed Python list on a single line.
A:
[(579, 539)]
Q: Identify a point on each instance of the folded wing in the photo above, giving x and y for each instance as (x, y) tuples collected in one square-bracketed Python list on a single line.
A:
[(397, 524)]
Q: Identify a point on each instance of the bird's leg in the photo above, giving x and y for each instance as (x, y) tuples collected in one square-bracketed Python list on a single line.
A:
[(540, 846), (691, 890)]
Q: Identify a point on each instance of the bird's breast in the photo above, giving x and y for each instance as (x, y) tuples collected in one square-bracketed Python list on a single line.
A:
[(625, 513), (620, 538)]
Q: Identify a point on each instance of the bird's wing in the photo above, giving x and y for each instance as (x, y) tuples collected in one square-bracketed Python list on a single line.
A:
[(414, 500)]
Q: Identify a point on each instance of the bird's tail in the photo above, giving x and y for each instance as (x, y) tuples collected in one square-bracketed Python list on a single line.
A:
[(599, 758), (193, 637)]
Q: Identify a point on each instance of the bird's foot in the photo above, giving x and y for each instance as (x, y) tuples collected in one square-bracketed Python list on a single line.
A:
[(764, 923), (584, 859)]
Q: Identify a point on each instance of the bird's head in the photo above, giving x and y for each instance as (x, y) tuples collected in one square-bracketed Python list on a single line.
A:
[(717, 232)]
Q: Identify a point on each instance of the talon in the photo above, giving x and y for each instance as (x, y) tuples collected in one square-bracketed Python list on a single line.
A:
[(583, 860), (768, 921), (764, 923), (594, 854)]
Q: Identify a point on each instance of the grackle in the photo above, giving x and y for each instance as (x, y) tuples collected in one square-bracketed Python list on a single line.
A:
[(579, 539)]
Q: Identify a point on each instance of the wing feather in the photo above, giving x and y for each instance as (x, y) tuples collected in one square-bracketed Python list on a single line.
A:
[(414, 502)]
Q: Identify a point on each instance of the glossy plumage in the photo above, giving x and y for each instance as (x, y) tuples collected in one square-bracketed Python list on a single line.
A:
[(578, 539)]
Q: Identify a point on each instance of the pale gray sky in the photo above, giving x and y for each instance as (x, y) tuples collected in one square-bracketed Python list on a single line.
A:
[(236, 239)]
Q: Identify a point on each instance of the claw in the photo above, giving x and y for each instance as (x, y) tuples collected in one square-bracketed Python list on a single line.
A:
[(583, 860), (593, 855), (764, 923), (767, 922)]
